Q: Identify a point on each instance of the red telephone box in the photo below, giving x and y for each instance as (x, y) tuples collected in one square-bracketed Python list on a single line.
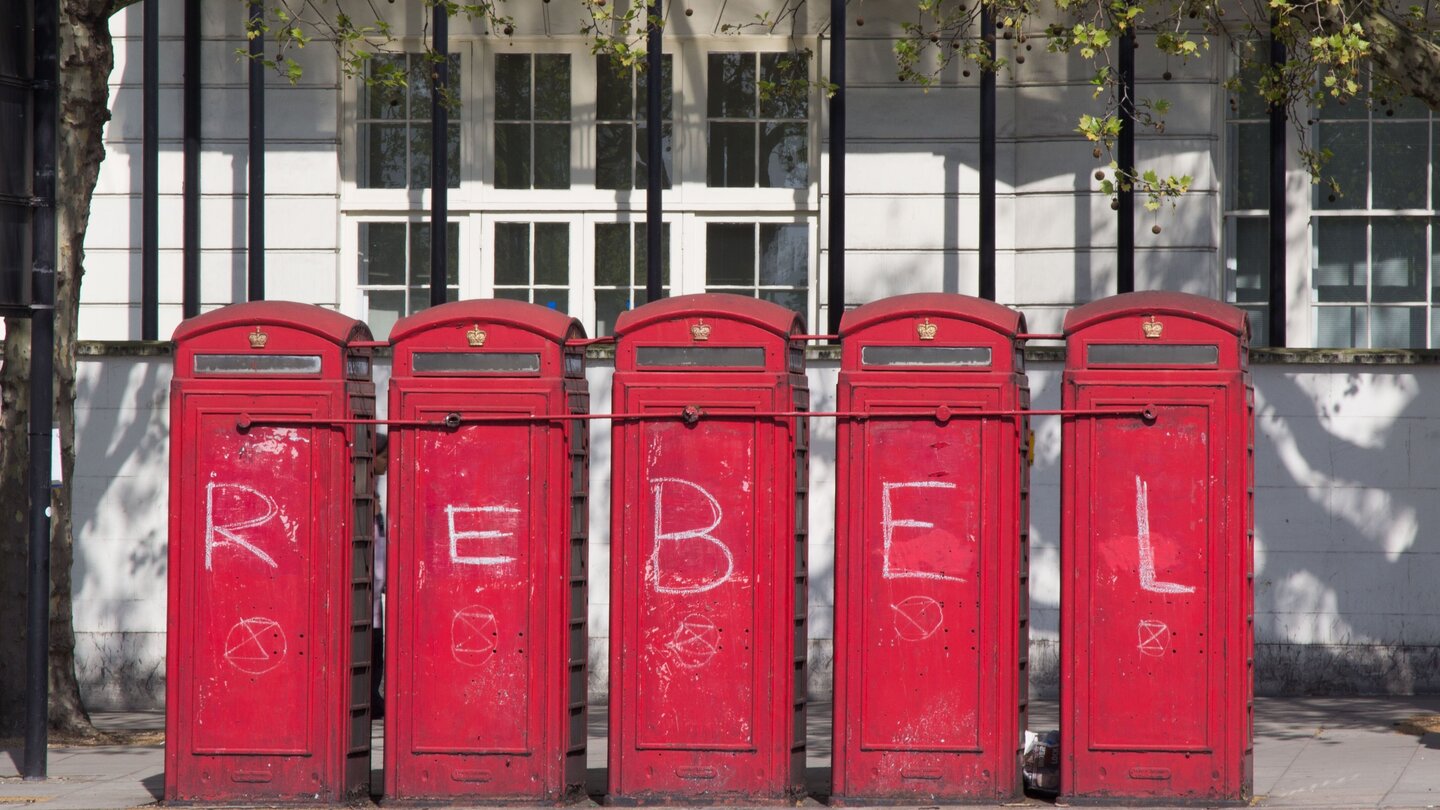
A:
[(708, 571), (486, 598), (1156, 550), (267, 697), (931, 533)]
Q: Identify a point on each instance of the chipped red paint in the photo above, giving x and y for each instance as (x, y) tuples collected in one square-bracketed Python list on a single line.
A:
[(486, 659), (1156, 553), (263, 652), (931, 553), (708, 571)]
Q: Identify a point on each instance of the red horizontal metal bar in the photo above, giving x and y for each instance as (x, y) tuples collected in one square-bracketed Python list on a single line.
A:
[(596, 341), (693, 414), (935, 413), (246, 422)]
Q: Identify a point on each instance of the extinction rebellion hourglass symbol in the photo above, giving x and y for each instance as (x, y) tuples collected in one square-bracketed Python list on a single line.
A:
[(1154, 637), (473, 634), (917, 618), (255, 645), (695, 642)]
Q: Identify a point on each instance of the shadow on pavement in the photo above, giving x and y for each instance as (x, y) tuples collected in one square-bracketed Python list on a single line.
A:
[(1302, 718), (155, 784)]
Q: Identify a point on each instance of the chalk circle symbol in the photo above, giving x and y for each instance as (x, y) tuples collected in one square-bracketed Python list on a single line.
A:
[(473, 635), (255, 645), (695, 642), (917, 618)]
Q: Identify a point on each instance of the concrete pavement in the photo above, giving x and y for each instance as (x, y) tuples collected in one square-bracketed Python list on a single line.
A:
[(1309, 752)]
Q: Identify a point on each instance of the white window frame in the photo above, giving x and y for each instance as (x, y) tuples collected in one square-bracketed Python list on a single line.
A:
[(689, 203), (352, 297), (1367, 213), (1299, 321), (1230, 216), (699, 196), (695, 234), (354, 198), (638, 105), (486, 254), (679, 283)]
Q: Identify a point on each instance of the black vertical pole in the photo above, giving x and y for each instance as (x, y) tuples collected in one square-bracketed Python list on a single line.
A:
[(1125, 221), (654, 151), (439, 153), (1277, 206), (255, 248), (987, 159), (42, 398), (191, 226), (150, 182), (836, 305)]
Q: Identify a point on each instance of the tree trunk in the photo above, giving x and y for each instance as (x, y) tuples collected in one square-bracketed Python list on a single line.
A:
[(14, 528), (86, 58)]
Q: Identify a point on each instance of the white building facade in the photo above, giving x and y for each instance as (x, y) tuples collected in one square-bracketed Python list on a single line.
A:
[(547, 204)]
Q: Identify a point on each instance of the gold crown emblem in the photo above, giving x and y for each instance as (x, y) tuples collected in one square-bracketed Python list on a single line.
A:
[(700, 330), (926, 330), (1152, 328), (475, 336), (258, 339)]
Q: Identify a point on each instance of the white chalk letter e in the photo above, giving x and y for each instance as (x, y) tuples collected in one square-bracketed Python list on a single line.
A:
[(888, 522), (456, 535)]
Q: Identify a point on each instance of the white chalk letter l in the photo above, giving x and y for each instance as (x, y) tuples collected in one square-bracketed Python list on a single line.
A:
[(1147, 551)]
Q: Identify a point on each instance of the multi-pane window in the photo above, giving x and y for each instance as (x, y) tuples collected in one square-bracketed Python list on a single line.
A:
[(620, 268), (532, 263), (395, 270), (758, 138), (532, 120), (621, 148), (766, 260), (1247, 204), (1373, 278), (556, 220), (395, 144)]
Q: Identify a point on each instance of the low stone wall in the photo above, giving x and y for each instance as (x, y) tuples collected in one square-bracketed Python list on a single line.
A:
[(1347, 523)]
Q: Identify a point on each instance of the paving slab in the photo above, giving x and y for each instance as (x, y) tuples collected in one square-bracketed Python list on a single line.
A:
[(1309, 752)]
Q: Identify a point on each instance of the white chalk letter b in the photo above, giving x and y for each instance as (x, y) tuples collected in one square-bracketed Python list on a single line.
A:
[(674, 582)]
